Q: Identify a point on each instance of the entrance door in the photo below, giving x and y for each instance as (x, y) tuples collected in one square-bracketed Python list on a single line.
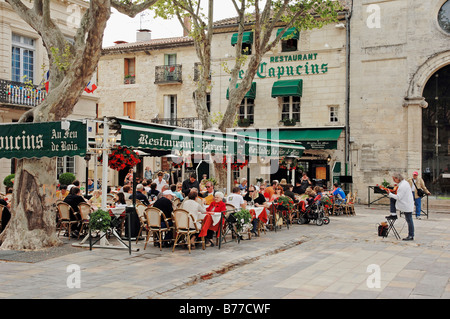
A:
[(436, 133)]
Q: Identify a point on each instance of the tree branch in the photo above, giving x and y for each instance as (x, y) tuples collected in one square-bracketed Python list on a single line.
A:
[(131, 9)]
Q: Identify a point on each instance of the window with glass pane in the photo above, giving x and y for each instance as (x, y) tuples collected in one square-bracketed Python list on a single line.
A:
[(22, 58), (246, 110), (333, 114), (444, 17), (285, 108), (65, 165), (295, 108)]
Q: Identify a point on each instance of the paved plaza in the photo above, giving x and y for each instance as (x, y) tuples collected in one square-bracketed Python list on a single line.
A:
[(345, 259)]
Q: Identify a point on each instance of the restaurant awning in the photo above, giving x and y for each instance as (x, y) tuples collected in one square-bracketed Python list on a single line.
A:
[(247, 37), (46, 139), (310, 138), (291, 33), (251, 94), (287, 88), (139, 134)]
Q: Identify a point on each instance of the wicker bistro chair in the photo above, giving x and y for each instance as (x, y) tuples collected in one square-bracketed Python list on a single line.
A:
[(140, 210), (64, 211), (153, 217), (183, 228), (350, 205), (85, 210)]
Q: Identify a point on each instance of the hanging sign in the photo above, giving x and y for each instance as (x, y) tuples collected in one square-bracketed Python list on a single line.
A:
[(47, 139)]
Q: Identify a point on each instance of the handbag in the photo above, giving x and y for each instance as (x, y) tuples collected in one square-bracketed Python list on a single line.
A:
[(420, 192), (383, 229)]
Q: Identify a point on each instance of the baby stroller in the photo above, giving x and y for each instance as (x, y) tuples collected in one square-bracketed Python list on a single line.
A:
[(313, 211)]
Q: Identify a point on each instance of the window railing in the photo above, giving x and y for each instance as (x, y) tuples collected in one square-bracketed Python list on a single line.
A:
[(187, 122), (18, 93), (168, 74), (129, 79)]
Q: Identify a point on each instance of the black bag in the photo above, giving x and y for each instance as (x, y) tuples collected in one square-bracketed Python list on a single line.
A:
[(420, 192), (382, 230)]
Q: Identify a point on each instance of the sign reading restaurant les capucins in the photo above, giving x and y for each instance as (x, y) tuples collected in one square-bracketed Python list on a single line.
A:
[(308, 66), (47, 139)]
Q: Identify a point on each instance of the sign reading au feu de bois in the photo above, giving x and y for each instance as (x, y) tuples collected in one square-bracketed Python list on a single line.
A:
[(47, 139)]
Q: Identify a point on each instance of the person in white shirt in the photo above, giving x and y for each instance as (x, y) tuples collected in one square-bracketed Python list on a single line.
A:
[(404, 203), (160, 181), (236, 198)]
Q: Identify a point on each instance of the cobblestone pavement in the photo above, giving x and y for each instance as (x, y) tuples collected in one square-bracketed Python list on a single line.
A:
[(345, 259)]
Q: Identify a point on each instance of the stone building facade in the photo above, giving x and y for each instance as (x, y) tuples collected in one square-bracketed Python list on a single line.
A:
[(22, 53), (397, 49)]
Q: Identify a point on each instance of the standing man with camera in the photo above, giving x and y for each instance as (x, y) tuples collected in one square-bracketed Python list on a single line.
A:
[(419, 190)]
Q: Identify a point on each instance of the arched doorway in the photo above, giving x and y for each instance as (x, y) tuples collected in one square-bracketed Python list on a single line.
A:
[(436, 133)]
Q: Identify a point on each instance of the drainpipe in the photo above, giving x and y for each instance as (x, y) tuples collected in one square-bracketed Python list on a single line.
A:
[(347, 97)]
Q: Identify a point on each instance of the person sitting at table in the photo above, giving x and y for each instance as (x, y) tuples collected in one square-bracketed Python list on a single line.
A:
[(75, 183), (153, 193), (141, 194), (164, 203), (216, 206), (73, 199), (278, 192), (243, 185), (195, 209), (96, 198), (253, 196), (270, 190), (338, 194), (208, 195), (175, 190), (288, 192), (62, 193), (119, 199), (236, 199), (163, 189)]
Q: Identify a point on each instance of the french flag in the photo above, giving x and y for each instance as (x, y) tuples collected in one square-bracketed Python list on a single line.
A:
[(46, 80), (90, 87)]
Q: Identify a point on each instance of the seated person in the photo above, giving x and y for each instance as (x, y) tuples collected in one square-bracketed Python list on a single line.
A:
[(96, 198), (177, 191), (236, 199), (195, 209), (119, 199), (62, 192), (141, 194), (254, 196), (217, 205), (208, 195), (288, 192), (338, 193), (153, 193), (73, 199), (164, 203)]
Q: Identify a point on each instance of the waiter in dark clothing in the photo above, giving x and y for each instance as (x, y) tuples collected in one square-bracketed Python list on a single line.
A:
[(190, 183)]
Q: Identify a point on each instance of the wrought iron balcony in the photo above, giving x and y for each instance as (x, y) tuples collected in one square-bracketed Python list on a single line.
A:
[(187, 122), (168, 74), (129, 79), (21, 94)]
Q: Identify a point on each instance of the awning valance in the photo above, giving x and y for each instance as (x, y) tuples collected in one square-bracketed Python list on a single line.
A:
[(287, 88), (251, 94), (312, 138), (178, 140), (46, 139), (291, 33), (247, 37)]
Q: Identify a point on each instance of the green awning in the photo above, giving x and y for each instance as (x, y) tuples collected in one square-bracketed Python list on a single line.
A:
[(46, 139), (287, 88), (291, 33), (145, 135), (320, 138), (247, 37), (251, 94)]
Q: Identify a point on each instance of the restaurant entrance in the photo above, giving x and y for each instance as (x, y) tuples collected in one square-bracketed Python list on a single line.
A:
[(436, 133)]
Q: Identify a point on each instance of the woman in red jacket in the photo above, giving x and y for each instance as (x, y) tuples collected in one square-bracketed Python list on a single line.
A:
[(216, 206)]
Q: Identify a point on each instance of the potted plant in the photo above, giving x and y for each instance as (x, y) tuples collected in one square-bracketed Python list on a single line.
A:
[(289, 122), (129, 79), (99, 220), (285, 203), (243, 221), (121, 157), (9, 180), (66, 178)]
